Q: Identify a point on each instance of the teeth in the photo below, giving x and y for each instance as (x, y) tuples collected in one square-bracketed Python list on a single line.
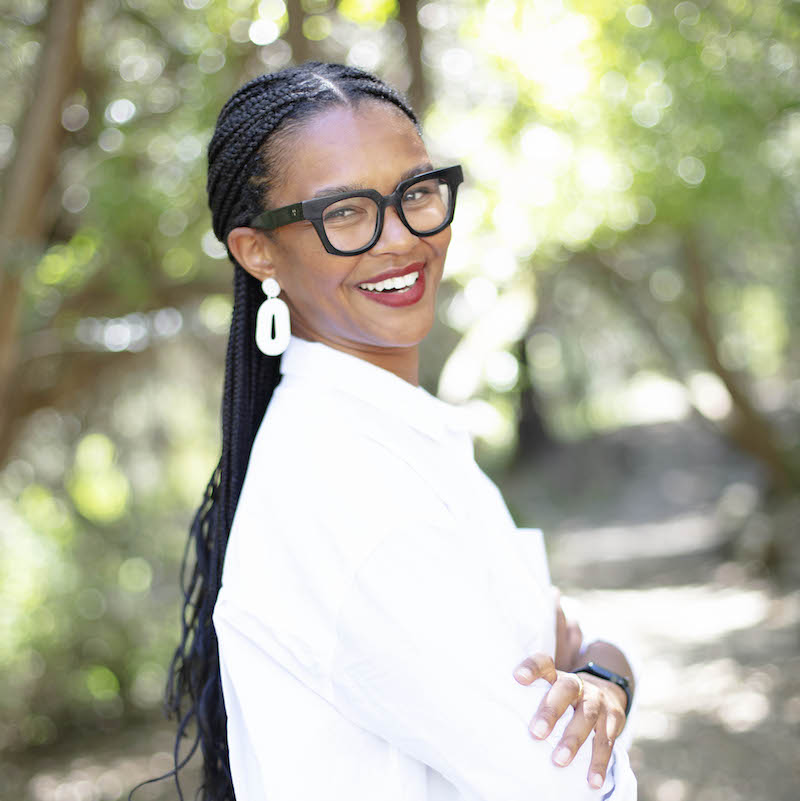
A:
[(401, 282)]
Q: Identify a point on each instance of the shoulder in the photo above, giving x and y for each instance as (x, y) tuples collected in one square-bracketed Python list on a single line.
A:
[(327, 482), (316, 437), (338, 443)]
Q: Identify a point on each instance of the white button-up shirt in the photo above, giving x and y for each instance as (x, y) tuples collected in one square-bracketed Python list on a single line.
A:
[(376, 598)]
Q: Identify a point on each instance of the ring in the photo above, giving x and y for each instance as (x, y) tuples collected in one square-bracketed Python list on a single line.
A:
[(580, 691)]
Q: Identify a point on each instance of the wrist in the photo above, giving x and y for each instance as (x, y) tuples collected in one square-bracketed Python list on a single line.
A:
[(610, 657)]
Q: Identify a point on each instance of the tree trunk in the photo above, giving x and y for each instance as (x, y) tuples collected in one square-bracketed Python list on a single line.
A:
[(749, 429), (301, 47), (418, 89), (533, 438), (24, 219)]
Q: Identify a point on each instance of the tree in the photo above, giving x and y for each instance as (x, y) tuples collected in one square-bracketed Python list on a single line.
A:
[(25, 216), (638, 164)]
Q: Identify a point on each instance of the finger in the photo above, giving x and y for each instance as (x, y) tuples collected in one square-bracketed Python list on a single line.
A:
[(575, 636), (577, 731), (563, 640), (615, 723), (561, 618), (602, 746), (564, 692), (537, 666), (614, 705)]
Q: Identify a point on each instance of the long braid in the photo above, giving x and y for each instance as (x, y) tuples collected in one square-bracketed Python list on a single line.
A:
[(243, 164)]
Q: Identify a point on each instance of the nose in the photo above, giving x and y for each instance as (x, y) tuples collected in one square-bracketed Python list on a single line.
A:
[(395, 237)]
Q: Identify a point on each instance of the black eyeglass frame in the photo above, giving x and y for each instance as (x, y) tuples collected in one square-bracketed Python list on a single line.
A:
[(312, 210)]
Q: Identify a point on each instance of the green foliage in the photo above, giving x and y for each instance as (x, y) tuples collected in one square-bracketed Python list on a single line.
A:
[(91, 545), (620, 154), (368, 12)]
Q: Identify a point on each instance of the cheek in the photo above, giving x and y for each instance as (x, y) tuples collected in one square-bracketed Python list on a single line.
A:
[(312, 277), (441, 242)]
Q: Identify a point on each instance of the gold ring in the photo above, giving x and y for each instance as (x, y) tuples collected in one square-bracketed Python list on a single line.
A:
[(580, 691)]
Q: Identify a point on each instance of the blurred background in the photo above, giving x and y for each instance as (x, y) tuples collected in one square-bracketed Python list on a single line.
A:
[(619, 315)]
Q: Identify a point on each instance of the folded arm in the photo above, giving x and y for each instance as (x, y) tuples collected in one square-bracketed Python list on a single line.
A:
[(434, 676)]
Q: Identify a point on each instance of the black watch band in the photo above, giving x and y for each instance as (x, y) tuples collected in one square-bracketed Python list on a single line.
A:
[(593, 669)]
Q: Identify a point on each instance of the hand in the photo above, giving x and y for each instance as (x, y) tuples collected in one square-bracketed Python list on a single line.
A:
[(598, 709)]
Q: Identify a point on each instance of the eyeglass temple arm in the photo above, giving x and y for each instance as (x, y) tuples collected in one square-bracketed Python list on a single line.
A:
[(274, 219)]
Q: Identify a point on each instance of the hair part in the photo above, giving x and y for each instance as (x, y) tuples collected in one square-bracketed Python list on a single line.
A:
[(246, 156), (276, 152)]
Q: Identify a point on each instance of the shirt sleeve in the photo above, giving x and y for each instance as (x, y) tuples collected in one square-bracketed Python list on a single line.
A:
[(424, 660)]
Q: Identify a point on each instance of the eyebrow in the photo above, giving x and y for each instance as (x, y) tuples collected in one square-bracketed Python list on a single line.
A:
[(338, 190)]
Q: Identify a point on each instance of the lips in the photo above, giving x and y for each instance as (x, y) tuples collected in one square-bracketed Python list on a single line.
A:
[(397, 272), (399, 287)]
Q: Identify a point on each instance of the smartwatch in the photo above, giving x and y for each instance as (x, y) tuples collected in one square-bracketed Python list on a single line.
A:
[(593, 669)]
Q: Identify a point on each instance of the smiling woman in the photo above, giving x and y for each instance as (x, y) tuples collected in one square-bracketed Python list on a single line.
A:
[(345, 157), (359, 596)]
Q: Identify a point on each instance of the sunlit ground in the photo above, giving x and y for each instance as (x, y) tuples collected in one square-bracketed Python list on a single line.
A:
[(109, 770), (719, 706)]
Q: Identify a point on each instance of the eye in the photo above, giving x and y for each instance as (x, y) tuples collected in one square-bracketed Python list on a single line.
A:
[(349, 211), (418, 193), (339, 213), (342, 215)]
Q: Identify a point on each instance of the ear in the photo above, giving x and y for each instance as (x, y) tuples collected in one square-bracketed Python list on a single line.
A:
[(251, 248)]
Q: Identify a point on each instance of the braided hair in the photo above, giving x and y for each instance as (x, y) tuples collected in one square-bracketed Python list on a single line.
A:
[(245, 156)]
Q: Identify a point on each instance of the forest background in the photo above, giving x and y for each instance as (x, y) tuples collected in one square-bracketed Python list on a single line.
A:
[(624, 260)]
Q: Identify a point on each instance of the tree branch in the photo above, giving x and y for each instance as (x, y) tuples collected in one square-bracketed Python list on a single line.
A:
[(23, 215), (750, 429), (65, 380), (417, 91), (301, 47)]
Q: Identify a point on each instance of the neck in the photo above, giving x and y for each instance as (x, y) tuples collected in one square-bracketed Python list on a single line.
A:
[(402, 361)]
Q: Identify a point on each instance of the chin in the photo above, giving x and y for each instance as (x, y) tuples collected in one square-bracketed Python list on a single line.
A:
[(409, 337)]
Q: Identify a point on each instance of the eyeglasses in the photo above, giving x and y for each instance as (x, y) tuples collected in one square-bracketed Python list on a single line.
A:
[(351, 222)]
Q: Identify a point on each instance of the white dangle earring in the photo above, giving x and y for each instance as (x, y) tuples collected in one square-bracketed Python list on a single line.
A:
[(272, 322)]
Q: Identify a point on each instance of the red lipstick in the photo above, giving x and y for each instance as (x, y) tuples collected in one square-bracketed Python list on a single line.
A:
[(397, 297)]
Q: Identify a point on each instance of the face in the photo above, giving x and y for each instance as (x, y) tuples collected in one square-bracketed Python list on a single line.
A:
[(333, 299)]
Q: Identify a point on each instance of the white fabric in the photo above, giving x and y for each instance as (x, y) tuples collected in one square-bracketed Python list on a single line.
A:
[(376, 599)]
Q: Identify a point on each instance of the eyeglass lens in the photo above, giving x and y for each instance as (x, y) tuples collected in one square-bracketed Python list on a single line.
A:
[(351, 223)]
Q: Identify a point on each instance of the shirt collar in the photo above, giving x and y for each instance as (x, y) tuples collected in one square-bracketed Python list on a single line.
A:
[(370, 384)]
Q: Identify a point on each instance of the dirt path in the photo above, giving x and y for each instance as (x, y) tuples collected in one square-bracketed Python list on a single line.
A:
[(672, 562), (718, 714)]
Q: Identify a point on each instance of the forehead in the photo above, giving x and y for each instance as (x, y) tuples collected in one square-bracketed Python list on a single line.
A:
[(369, 146)]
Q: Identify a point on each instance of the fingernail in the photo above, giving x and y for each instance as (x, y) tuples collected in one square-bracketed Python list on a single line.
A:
[(562, 756), (539, 729), (524, 674), (596, 780)]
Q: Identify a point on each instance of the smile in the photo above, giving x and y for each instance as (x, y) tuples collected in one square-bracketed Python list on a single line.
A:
[(396, 291), (399, 284)]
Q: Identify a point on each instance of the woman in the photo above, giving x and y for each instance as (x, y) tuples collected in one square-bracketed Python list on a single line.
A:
[(376, 596)]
